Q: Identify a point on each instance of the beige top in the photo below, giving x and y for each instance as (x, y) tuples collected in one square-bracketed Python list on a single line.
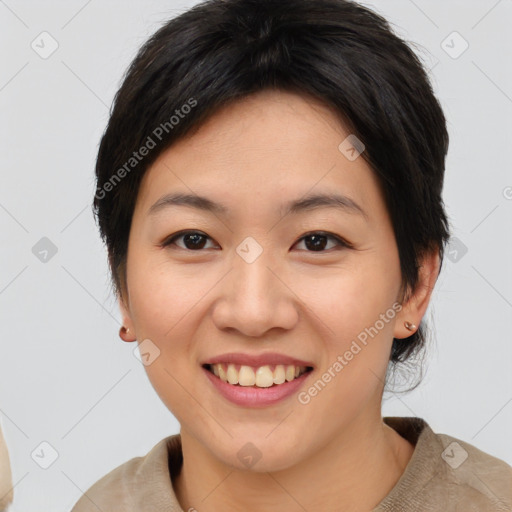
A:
[(6, 492), (443, 474)]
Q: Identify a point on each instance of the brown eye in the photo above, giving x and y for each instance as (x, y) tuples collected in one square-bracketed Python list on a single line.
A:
[(192, 240), (318, 241)]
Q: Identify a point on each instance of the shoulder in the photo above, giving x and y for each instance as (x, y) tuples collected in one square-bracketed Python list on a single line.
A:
[(474, 477), (132, 483), (113, 488), (446, 473)]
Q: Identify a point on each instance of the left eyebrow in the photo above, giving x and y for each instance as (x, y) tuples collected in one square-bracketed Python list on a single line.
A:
[(338, 201), (310, 202)]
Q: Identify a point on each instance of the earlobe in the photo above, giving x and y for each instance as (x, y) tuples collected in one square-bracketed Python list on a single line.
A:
[(125, 332), (416, 305)]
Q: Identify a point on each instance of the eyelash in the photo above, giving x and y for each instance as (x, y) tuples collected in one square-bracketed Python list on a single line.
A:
[(340, 241)]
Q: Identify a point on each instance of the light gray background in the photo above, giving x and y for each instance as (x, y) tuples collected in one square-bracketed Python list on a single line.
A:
[(68, 380)]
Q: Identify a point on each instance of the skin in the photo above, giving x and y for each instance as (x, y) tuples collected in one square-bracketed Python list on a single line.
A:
[(335, 453)]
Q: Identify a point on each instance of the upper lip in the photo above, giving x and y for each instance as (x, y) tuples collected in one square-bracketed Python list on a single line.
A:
[(269, 358)]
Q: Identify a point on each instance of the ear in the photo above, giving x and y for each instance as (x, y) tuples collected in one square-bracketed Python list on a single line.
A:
[(415, 306), (127, 331)]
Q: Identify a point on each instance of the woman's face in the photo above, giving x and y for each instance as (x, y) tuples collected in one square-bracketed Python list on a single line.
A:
[(259, 279)]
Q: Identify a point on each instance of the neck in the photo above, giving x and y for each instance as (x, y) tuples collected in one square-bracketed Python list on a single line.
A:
[(355, 470)]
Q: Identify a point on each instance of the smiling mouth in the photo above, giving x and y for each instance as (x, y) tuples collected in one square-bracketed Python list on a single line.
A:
[(260, 377)]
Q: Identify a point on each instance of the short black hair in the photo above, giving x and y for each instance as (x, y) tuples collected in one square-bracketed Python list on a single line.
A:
[(337, 51)]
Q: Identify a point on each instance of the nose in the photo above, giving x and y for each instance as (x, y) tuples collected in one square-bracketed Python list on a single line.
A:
[(255, 298)]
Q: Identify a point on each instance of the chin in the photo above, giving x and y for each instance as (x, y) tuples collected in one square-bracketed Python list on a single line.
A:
[(259, 455)]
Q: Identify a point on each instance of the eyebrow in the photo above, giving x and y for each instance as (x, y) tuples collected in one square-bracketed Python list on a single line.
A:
[(310, 202)]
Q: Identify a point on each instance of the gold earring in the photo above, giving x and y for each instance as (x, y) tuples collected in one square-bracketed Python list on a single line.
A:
[(409, 326), (123, 331)]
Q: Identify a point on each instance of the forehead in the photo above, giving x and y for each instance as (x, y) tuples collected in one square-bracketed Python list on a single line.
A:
[(267, 148)]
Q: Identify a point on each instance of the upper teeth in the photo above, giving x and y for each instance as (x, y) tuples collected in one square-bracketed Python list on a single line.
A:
[(262, 377)]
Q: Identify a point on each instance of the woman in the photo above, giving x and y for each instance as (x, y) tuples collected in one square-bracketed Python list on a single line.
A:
[(269, 191)]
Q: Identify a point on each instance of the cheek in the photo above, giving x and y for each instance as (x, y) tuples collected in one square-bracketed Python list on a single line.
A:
[(351, 299), (161, 295), (163, 302), (356, 308)]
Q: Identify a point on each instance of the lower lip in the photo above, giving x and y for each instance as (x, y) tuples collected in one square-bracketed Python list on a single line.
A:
[(256, 397)]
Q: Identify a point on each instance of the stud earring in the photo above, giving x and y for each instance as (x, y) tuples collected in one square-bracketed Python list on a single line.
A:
[(409, 326), (123, 331)]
